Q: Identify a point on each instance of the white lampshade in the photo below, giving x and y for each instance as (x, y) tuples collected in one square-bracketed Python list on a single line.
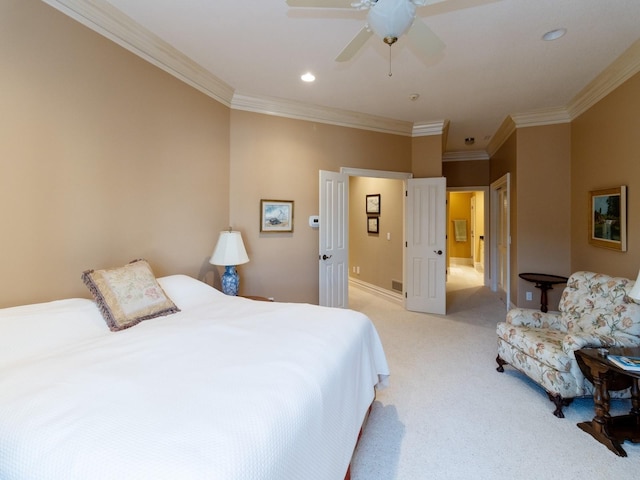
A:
[(391, 18), (229, 250), (634, 294)]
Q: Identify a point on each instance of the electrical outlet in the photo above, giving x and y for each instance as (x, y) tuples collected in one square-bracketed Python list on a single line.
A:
[(529, 296)]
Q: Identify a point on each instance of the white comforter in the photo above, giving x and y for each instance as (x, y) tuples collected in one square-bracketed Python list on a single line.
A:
[(229, 388)]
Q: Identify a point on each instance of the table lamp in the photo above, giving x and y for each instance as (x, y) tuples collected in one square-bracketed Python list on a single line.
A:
[(229, 252), (634, 294)]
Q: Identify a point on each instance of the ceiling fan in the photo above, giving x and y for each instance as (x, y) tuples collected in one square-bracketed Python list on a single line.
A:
[(390, 19)]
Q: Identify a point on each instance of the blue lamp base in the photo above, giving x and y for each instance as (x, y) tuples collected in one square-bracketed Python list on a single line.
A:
[(230, 280)]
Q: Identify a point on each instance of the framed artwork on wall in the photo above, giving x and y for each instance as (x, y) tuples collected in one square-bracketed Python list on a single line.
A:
[(608, 218), (373, 225), (373, 204), (276, 215)]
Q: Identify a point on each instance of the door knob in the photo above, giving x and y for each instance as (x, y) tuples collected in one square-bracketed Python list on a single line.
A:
[(326, 257), (439, 252)]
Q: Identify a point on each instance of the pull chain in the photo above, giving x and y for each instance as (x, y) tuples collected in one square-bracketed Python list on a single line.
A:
[(390, 74)]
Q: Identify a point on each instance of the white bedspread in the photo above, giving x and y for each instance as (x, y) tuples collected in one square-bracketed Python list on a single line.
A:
[(229, 388)]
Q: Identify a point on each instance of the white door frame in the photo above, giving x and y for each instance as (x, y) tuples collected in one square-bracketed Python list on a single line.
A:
[(502, 182), (487, 230)]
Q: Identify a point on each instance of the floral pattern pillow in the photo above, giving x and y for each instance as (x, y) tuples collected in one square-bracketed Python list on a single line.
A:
[(128, 295)]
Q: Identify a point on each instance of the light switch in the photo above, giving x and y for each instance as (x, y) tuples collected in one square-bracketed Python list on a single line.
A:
[(388, 235)]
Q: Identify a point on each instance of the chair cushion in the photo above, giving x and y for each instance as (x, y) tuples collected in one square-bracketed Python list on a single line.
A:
[(543, 344)]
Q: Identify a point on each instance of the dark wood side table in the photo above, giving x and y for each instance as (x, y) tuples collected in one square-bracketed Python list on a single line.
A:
[(605, 375), (258, 298), (544, 282)]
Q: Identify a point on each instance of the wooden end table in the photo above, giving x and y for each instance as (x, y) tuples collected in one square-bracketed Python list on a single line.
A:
[(258, 298), (605, 375), (544, 282)]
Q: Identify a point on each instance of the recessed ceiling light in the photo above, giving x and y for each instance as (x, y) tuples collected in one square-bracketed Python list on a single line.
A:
[(308, 77), (554, 34)]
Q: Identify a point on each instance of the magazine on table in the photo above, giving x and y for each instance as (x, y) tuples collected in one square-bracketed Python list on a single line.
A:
[(626, 362)]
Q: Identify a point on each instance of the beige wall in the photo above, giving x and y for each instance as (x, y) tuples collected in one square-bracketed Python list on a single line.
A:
[(378, 256), (426, 156), (469, 173), (104, 159), (279, 158), (605, 147), (543, 206)]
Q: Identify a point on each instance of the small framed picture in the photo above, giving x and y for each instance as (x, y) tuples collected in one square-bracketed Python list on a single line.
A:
[(276, 215), (608, 218), (373, 204), (373, 225)]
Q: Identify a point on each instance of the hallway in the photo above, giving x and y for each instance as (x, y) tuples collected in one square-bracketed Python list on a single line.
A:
[(465, 289)]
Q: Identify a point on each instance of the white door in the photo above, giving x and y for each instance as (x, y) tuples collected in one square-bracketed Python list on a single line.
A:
[(333, 254), (426, 242)]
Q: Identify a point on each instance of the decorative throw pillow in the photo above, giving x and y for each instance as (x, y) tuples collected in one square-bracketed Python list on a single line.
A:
[(128, 295)]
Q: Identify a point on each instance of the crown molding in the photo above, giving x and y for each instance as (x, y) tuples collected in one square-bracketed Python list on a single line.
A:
[(502, 134), (103, 18), (550, 116), (622, 69), (108, 21), (463, 156), (428, 129), (315, 113)]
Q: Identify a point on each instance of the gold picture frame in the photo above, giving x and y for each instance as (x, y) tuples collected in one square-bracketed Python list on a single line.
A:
[(608, 218)]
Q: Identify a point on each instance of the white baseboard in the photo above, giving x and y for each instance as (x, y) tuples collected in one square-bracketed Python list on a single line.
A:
[(379, 291)]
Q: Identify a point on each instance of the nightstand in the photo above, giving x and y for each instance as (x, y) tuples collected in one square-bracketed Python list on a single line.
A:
[(259, 299)]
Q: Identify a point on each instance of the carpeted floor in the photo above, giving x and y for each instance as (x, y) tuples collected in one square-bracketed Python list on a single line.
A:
[(448, 414)]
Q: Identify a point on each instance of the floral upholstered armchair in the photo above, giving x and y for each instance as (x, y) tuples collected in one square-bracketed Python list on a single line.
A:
[(594, 312)]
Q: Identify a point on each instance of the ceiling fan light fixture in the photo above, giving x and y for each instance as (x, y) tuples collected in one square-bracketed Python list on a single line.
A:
[(391, 18)]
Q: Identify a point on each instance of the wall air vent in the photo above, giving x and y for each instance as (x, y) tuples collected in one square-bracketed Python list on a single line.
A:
[(396, 285)]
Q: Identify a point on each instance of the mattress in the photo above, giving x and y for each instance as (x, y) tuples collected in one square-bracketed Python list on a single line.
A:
[(227, 388)]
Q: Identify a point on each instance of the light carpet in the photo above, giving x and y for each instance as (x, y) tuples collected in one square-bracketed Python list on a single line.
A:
[(448, 414)]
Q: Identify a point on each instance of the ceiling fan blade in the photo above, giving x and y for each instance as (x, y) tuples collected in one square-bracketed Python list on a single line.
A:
[(320, 3), (438, 7), (354, 45), (423, 38)]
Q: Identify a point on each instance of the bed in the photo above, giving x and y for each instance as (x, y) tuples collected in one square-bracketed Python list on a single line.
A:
[(219, 388)]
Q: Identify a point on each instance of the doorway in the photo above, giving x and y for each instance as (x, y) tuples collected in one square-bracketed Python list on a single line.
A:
[(376, 237), (467, 237)]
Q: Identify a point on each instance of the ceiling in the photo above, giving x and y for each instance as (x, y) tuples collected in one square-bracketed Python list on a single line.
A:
[(495, 63)]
